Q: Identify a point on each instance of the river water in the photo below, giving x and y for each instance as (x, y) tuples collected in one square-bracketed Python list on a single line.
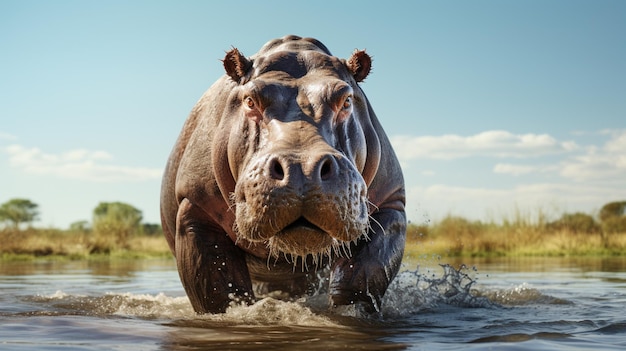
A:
[(488, 304)]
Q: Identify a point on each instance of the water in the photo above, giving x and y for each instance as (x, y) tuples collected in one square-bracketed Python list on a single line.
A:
[(522, 304)]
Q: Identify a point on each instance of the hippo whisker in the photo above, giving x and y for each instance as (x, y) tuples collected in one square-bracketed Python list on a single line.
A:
[(373, 220), (371, 204), (291, 259), (304, 265), (336, 248), (231, 201), (344, 250), (269, 257), (321, 256)]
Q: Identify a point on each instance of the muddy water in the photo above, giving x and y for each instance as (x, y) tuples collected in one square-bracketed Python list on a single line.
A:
[(521, 304)]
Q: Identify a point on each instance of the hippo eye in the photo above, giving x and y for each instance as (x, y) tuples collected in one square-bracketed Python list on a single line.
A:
[(347, 103), (249, 102), (345, 108)]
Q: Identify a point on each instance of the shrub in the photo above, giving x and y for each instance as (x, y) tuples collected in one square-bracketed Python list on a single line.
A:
[(457, 227), (614, 225), (576, 223), (117, 220), (613, 209), (415, 232)]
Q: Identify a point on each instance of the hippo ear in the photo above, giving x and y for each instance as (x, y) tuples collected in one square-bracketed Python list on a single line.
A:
[(359, 64), (236, 65)]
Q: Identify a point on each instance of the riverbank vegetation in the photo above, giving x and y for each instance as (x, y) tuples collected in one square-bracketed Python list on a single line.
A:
[(48, 243), (577, 234), (117, 231)]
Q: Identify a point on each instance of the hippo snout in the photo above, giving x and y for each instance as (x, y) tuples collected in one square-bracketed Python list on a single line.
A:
[(298, 172), (301, 203)]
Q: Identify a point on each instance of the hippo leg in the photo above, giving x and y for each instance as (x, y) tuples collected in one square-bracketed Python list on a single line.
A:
[(212, 269), (363, 278)]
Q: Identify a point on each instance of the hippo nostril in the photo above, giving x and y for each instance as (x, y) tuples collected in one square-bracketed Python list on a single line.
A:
[(327, 168), (276, 170)]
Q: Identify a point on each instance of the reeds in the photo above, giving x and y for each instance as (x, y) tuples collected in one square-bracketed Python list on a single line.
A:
[(517, 236), (453, 236), (33, 243)]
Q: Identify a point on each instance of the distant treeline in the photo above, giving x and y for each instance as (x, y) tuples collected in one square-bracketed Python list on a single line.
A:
[(571, 234), (116, 216), (115, 227)]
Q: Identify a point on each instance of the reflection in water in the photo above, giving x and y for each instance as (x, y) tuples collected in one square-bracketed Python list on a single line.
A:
[(325, 334), (110, 268), (543, 264)]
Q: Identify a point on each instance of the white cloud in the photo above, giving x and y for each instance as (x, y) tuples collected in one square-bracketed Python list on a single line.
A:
[(595, 166), (617, 144), (605, 163), (528, 200), (493, 143), (7, 136), (575, 177), (516, 170), (76, 164), (519, 170), (79, 154)]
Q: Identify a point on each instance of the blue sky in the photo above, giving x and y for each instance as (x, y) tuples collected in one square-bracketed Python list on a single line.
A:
[(494, 107)]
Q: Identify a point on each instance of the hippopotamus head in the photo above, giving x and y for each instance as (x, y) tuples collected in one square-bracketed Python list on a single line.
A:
[(299, 152)]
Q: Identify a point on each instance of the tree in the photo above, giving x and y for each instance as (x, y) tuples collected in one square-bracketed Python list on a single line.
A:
[(18, 211), (81, 226), (576, 223), (116, 219), (152, 229), (613, 217), (612, 209)]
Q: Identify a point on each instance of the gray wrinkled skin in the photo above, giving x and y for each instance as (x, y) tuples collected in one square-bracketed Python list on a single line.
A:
[(336, 207), (282, 170)]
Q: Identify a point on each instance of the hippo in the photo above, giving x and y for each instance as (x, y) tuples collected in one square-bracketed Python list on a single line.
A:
[(283, 181)]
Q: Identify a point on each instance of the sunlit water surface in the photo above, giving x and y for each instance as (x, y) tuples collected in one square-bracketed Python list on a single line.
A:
[(519, 304)]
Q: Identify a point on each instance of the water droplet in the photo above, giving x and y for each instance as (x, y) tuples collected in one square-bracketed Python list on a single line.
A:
[(230, 285)]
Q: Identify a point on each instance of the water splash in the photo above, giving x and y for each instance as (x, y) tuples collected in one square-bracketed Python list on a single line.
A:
[(522, 294), (270, 311), (126, 304), (413, 292)]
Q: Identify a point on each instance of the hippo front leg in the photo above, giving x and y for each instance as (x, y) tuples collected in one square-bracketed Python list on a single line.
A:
[(212, 269), (363, 278)]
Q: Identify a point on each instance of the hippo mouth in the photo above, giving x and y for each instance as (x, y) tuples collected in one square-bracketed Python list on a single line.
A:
[(301, 238), (303, 223)]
